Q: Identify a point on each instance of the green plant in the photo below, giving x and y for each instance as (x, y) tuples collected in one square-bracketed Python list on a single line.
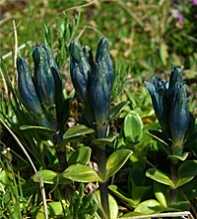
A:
[(171, 107), (93, 80), (100, 137), (42, 94), (42, 111), (170, 103)]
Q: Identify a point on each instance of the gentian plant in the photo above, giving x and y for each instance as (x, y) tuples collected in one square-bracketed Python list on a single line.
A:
[(93, 80), (38, 91), (43, 101), (170, 103), (42, 94)]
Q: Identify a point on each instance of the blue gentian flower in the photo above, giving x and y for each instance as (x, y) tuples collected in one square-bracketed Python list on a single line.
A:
[(170, 103), (93, 80)]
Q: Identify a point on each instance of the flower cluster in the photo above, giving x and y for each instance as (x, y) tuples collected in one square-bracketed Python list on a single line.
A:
[(41, 92), (93, 81), (170, 103)]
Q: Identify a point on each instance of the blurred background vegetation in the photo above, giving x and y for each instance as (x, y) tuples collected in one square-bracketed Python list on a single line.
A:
[(148, 36)]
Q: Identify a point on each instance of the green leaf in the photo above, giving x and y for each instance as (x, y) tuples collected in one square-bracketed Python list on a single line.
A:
[(182, 157), (190, 190), (159, 191), (188, 169), (55, 208), (133, 127), (114, 189), (164, 53), (117, 109), (81, 155), (182, 181), (102, 142), (113, 206), (186, 172), (115, 161), (148, 207), (138, 192), (179, 205), (160, 177), (131, 214), (4, 177), (48, 176), (81, 173), (33, 127), (40, 214), (77, 131)]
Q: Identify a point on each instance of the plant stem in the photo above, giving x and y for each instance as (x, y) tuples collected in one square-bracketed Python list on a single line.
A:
[(101, 159), (61, 153), (173, 176), (104, 199), (176, 150)]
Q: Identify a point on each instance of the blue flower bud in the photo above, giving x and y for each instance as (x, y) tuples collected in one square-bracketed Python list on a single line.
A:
[(171, 108), (26, 87), (92, 80), (104, 62), (43, 77), (50, 58), (80, 67), (27, 91), (180, 116), (175, 76), (100, 85), (158, 92)]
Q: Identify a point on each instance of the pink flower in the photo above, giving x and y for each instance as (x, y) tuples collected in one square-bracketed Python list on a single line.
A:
[(179, 17), (194, 2)]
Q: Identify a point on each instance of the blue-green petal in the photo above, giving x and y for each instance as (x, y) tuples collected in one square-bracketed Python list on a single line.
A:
[(100, 85), (26, 87), (158, 91), (43, 77), (175, 76), (80, 68), (104, 62), (180, 117)]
